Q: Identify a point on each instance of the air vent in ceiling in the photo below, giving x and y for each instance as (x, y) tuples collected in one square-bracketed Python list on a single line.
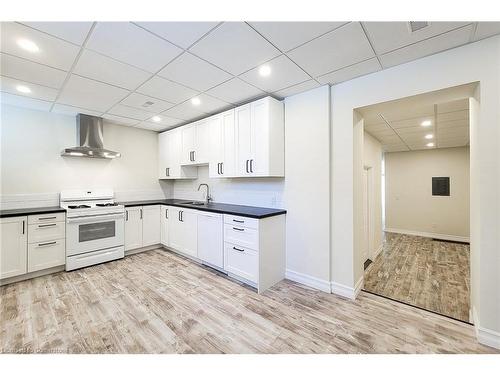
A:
[(418, 25), (148, 104)]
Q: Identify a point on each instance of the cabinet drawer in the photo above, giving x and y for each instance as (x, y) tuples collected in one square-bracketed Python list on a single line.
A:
[(241, 236), (241, 261), (241, 221), (43, 232), (44, 255), (45, 218)]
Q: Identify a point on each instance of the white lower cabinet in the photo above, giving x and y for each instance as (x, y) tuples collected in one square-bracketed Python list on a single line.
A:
[(13, 246), (165, 212), (183, 228), (32, 243), (241, 261), (211, 239), (142, 226)]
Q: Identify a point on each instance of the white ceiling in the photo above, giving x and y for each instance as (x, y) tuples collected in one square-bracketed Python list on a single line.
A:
[(111, 69), (398, 124)]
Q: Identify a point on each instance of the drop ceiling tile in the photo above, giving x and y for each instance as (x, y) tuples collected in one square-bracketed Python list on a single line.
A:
[(395, 148), (452, 124), (164, 89), (184, 111), (486, 29), (130, 112), (296, 89), (73, 111), (453, 132), (288, 35), (389, 139), (381, 133), (408, 130), (119, 120), (209, 104), (87, 93), (24, 102), (453, 116), (427, 47), (455, 105), (74, 32), (133, 45), (350, 72), (413, 138), (235, 91), (284, 73), (52, 51), (183, 34), (388, 36), (165, 122), (102, 68), (235, 47), (25, 70), (409, 116), (37, 92), (151, 126), (193, 72), (376, 127), (146, 103), (337, 49)]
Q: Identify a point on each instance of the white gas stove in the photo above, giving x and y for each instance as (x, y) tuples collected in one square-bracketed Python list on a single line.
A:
[(94, 227)]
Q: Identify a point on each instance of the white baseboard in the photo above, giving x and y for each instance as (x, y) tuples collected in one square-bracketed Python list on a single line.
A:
[(142, 249), (484, 335), (377, 252), (311, 281), (447, 237), (347, 291)]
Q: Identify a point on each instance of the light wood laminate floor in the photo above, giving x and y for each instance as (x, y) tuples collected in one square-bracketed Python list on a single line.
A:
[(433, 275), (159, 302)]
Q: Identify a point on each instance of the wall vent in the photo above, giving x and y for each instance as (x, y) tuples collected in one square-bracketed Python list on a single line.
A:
[(418, 25)]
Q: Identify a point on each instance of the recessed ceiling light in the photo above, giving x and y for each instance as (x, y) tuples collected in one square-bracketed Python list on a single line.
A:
[(429, 136), (265, 70), (23, 89), (426, 123), (430, 144), (156, 118), (196, 101), (28, 45)]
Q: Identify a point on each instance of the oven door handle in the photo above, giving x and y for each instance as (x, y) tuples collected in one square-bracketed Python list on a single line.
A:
[(94, 219)]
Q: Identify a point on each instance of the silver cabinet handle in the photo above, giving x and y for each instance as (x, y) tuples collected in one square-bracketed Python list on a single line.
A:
[(222, 168), (46, 225), (141, 213), (194, 155), (47, 218), (251, 165), (166, 213), (47, 243), (247, 165), (238, 221), (126, 215), (235, 248), (239, 229), (23, 227)]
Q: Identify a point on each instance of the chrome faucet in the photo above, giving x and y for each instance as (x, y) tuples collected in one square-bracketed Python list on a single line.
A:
[(208, 198)]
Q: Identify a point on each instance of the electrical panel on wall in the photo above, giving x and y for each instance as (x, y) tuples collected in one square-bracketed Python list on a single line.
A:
[(441, 186)]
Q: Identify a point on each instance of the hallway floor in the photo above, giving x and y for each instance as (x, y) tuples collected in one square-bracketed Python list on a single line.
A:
[(430, 274)]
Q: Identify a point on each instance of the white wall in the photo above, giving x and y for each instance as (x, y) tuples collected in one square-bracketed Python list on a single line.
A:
[(476, 62), (33, 172), (262, 192), (372, 158), (307, 187), (410, 205)]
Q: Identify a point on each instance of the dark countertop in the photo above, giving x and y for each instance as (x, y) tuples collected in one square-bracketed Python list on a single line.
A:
[(222, 208), (30, 211)]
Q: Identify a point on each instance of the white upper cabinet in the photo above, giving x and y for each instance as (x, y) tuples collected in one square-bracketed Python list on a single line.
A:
[(195, 141), (248, 141), (170, 146), (260, 135), (222, 145)]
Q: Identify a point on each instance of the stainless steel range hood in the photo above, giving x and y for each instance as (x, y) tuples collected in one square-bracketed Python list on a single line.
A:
[(89, 136)]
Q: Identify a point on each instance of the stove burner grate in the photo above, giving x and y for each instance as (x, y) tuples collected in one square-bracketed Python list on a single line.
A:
[(79, 206)]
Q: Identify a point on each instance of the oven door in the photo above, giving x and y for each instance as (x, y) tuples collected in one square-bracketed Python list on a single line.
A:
[(91, 233)]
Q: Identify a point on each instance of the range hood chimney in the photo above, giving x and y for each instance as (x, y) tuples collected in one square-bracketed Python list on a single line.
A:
[(89, 137)]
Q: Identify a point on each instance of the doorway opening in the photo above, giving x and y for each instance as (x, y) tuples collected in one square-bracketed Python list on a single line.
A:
[(415, 200)]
